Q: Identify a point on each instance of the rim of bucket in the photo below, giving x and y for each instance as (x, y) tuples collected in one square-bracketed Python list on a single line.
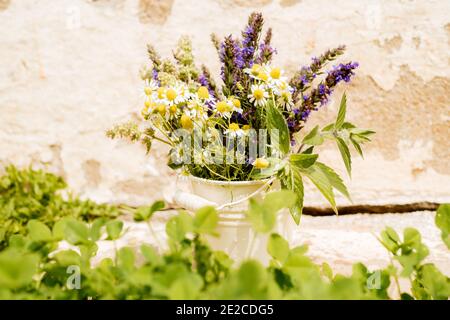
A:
[(228, 183)]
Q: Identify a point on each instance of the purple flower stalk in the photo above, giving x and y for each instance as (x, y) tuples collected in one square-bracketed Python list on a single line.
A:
[(320, 95), (250, 37)]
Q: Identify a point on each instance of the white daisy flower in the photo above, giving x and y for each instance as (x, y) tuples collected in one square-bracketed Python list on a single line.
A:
[(224, 108), (285, 99), (275, 76), (236, 105), (258, 95), (149, 87), (197, 110), (234, 130)]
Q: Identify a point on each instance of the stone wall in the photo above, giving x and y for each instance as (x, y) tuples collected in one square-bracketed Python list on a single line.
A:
[(70, 69)]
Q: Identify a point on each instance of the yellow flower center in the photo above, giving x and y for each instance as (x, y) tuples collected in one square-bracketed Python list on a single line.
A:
[(186, 122), (148, 91), (237, 103), (222, 106), (171, 94), (161, 93), (258, 94), (161, 109), (203, 93), (173, 109), (246, 127), (261, 163), (255, 69), (147, 103), (275, 73), (233, 126), (263, 76)]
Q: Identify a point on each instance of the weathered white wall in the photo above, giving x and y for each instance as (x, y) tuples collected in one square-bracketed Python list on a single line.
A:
[(69, 70)]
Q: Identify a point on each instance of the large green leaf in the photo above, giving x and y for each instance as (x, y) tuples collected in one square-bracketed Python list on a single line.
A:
[(293, 181), (146, 212), (16, 269), (114, 229), (334, 179), (76, 232), (313, 138), (177, 227), (38, 231), (436, 284), (206, 220), (319, 178), (303, 160), (442, 221), (345, 154), (341, 113), (276, 121), (262, 214), (278, 247)]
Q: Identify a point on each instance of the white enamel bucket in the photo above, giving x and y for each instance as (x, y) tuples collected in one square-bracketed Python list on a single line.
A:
[(236, 236)]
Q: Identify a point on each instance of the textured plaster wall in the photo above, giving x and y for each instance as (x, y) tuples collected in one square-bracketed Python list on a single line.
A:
[(69, 70)]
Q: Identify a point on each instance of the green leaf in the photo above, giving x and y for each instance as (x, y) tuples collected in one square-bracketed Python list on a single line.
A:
[(313, 138), (96, 228), (390, 239), (436, 284), (293, 181), (345, 154), (327, 271), (38, 231), (278, 247), (150, 255), (206, 220), (68, 258), (262, 219), (252, 276), (146, 212), (114, 229), (186, 288), (320, 180), (262, 214), (76, 232), (334, 179), (277, 200), (341, 113), (59, 228), (17, 270), (177, 227), (276, 121), (303, 160), (442, 221), (125, 259), (357, 146)]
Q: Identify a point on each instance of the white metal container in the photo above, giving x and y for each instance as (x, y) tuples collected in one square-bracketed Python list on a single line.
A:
[(236, 236)]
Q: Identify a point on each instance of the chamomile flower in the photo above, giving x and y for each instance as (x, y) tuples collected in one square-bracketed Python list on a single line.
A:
[(150, 86), (285, 99), (254, 70), (203, 93), (234, 130), (197, 110), (186, 122), (275, 76), (236, 105), (258, 95), (175, 94), (224, 108), (260, 163)]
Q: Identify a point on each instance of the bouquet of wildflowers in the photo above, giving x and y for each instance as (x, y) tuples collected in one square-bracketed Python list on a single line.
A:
[(248, 127)]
